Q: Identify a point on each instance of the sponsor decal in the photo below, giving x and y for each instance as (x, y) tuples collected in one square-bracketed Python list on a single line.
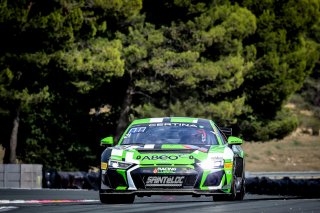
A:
[(135, 130), (162, 157), (174, 124), (164, 170), (215, 155), (164, 181)]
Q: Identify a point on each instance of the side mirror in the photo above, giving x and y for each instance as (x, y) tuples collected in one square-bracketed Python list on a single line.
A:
[(234, 140), (108, 141)]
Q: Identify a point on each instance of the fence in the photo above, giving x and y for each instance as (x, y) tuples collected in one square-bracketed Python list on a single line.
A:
[(28, 176)]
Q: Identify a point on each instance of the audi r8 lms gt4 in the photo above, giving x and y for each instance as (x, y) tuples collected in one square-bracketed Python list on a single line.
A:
[(172, 156)]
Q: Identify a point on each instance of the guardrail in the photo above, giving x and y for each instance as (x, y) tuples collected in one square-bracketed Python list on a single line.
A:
[(280, 175)]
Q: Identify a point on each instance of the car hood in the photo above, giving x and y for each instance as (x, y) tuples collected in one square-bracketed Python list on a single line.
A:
[(168, 154)]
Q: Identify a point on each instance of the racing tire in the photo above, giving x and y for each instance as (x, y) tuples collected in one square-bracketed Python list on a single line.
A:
[(116, 199), (240, 195)]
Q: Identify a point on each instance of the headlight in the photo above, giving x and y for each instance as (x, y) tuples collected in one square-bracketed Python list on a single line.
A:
[(212, 163), (119, 164)]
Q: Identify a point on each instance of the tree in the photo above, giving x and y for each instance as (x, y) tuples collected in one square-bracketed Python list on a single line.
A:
[(177, 70), (49, 49), (285, 56)]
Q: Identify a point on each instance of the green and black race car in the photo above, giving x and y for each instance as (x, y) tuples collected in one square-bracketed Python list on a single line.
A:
[(174, 156)]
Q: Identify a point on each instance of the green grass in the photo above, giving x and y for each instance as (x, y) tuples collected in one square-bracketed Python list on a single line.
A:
[(296, 143), (268, 152)]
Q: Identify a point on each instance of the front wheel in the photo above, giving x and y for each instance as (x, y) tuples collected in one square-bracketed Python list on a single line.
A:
[(116, 198), (227, 197), (242, 191)]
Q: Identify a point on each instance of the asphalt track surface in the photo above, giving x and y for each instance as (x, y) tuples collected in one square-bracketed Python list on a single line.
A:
[(78, 201)]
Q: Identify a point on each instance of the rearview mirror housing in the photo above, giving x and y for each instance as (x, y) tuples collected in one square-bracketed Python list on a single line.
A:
[(108, 141), (234, 140)]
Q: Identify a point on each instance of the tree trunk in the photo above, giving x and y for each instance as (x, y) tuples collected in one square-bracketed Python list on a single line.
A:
[(14, 139), (124, 114)]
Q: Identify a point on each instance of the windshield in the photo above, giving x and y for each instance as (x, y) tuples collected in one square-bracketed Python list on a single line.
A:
[(170, 133)]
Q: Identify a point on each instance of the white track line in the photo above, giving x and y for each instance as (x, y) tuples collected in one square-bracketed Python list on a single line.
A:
[(7, 208), (44, 201)]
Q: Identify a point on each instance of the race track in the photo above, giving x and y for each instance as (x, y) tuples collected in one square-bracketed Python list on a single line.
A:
[(77, 201)]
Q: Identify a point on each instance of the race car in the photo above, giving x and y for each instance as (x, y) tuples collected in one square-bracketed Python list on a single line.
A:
[(172, 156)]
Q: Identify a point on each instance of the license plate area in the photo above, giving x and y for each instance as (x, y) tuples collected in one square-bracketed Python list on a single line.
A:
[(164, 181)]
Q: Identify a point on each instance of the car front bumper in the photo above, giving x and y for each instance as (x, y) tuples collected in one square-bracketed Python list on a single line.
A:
[(136, 180)]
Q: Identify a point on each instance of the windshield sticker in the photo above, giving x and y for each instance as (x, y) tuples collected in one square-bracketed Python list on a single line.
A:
[(137, 130), (174, 124)]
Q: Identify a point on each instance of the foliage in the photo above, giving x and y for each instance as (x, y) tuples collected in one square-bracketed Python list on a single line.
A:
[(284, 123)]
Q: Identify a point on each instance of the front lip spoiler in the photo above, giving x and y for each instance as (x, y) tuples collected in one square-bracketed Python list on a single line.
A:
[(164, 192)]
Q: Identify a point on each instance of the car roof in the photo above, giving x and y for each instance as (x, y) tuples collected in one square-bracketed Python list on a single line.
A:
[(200, 121)]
